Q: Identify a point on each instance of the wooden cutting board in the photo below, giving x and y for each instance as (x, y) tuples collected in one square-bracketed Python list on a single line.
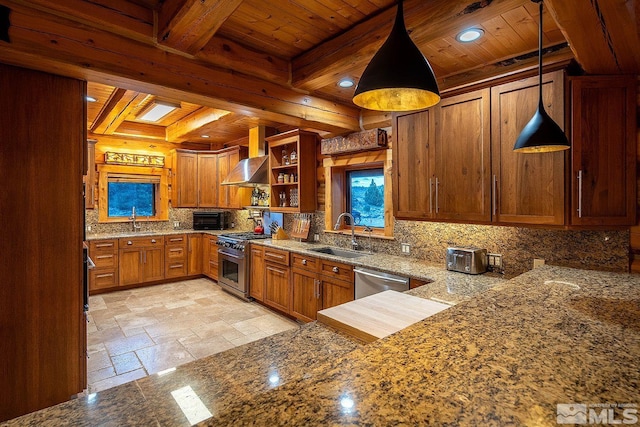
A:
[(379, 315)]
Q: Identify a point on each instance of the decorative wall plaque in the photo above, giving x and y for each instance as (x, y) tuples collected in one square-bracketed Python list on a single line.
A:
[(130, 159), (359, 141)]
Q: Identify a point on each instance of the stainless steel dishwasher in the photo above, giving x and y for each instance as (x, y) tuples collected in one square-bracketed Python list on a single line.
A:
[(369, 282)]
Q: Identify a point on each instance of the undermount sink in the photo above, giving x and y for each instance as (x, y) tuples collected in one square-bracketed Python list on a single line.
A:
[(337, 252)]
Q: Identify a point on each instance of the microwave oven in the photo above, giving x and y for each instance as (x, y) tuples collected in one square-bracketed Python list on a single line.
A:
[(218, 220)]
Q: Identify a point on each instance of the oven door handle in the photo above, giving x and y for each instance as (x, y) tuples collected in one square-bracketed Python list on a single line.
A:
[(221, 252)]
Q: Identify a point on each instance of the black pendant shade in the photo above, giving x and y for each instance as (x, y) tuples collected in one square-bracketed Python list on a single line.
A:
[(398, 78), (541, 134)]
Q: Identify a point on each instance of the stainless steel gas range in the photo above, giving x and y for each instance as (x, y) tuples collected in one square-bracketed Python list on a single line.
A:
[(233, 265)]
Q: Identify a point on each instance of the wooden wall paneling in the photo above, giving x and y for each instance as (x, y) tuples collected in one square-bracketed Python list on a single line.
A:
[(43, 346)]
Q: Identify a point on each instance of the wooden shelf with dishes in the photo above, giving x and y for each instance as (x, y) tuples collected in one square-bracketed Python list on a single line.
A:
[(292, 178)]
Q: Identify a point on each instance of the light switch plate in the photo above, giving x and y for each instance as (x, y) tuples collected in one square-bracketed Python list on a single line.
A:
[(495, 262), (406, 248)]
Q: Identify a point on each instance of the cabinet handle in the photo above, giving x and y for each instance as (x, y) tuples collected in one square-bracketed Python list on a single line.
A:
[(335, 269), (104, 256), (179, 239), (580, 193), (437, 185), (141, 262), (175, 250), (316, 287), (176, 266), (153, 240), (493, 196), (129, 242), (430, 195), (275, 255), (304, 262), (100, 276), (104, 245)]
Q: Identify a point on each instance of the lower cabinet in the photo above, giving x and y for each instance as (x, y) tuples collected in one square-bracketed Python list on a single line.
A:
[(256, 280), (104, 254), (210, 256), (305, 294), (277, 292), (175, 256), (141, 260), (194, 254)]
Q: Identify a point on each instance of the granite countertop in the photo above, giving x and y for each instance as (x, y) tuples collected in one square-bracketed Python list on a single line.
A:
[(507, 356), (128, 234), (444, 286)]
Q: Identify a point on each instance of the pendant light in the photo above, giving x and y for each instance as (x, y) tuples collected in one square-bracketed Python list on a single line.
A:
[(398, 78), (541, 134)]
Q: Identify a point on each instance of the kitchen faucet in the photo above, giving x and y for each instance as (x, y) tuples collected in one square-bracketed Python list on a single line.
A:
[(354, 244), (135, 227)]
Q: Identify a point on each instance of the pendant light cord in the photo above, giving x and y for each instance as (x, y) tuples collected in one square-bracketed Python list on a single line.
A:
[(540, 56)]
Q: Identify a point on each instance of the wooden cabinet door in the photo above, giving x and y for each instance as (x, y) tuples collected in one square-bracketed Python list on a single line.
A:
[(305, 295), (277, 292), (412, 181), (234, 191), (336, 292), (603, 151), (130, 266), (213, 257), (528, 188), (185, 183), (194, 254), (223, 171), (462, 158), (207, 180), (153, 264), (257, 278)]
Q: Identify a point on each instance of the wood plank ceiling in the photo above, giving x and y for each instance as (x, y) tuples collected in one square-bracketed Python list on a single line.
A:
[(236, 64)]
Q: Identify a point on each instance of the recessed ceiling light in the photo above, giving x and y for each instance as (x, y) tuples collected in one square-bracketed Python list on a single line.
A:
[(345, 83), (469, 35), (157, 110), (90, 99), (204, 136)]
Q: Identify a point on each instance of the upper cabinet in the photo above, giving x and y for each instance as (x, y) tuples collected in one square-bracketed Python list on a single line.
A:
[(184, 179), (527, 188), (293, 167), (197, 178), (455, 161), (441, 161), (462, 158), (413, 134), (603, 160)]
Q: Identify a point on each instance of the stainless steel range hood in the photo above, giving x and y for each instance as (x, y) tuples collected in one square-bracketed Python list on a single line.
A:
[(249, 172)]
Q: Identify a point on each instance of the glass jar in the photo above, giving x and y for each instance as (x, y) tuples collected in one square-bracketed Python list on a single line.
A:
[(294, 156), (286, 178), (285, 157), (280, 178)]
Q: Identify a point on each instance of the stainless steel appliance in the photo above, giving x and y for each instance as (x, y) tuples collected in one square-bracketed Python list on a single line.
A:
[(369, 282), (211, 220), (233, 264), (467, 260)]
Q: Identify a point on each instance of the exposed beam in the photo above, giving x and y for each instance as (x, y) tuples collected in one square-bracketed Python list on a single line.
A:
[(136, 145), (100, 122), (354, 48), (118, 16), (50, 43), (187, 25), (119, 112), (146, 130), (234, 56), (603, 34), (180, 130)]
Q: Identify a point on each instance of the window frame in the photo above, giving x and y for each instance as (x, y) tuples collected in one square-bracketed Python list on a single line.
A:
[(157, 176), (347, 189), (335, 169)]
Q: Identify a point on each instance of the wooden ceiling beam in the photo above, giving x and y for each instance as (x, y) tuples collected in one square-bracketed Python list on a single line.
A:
[(119, 112), (145, 130), (188, 25), (47, 42), (603, 34), (102, 119), (180, 130), (118, 16), (352, 49), (234, 56)]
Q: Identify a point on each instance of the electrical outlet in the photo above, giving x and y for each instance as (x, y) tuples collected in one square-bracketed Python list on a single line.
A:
[(233, 225), (494, 262), (176, 224), (538, 262), (406, 248), (88, 228)]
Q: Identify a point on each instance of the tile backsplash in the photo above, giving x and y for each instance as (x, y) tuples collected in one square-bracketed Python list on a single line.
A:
[(590, 249)]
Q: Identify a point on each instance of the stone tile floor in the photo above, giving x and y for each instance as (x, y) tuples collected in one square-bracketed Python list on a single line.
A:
[(138, 332)]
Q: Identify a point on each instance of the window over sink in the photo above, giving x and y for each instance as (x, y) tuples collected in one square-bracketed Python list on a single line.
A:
[(124, 187), (365, 196)]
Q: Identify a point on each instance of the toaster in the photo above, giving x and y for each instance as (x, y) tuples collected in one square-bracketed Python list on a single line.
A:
[(467, 260)]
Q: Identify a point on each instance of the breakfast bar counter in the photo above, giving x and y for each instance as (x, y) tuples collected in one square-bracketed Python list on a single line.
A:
[(507, 356)]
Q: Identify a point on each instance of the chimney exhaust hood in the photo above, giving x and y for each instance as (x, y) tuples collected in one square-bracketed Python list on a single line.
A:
[(249, 172)]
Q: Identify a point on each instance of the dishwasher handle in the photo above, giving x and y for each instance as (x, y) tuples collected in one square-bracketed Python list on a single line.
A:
[(386, 279)]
